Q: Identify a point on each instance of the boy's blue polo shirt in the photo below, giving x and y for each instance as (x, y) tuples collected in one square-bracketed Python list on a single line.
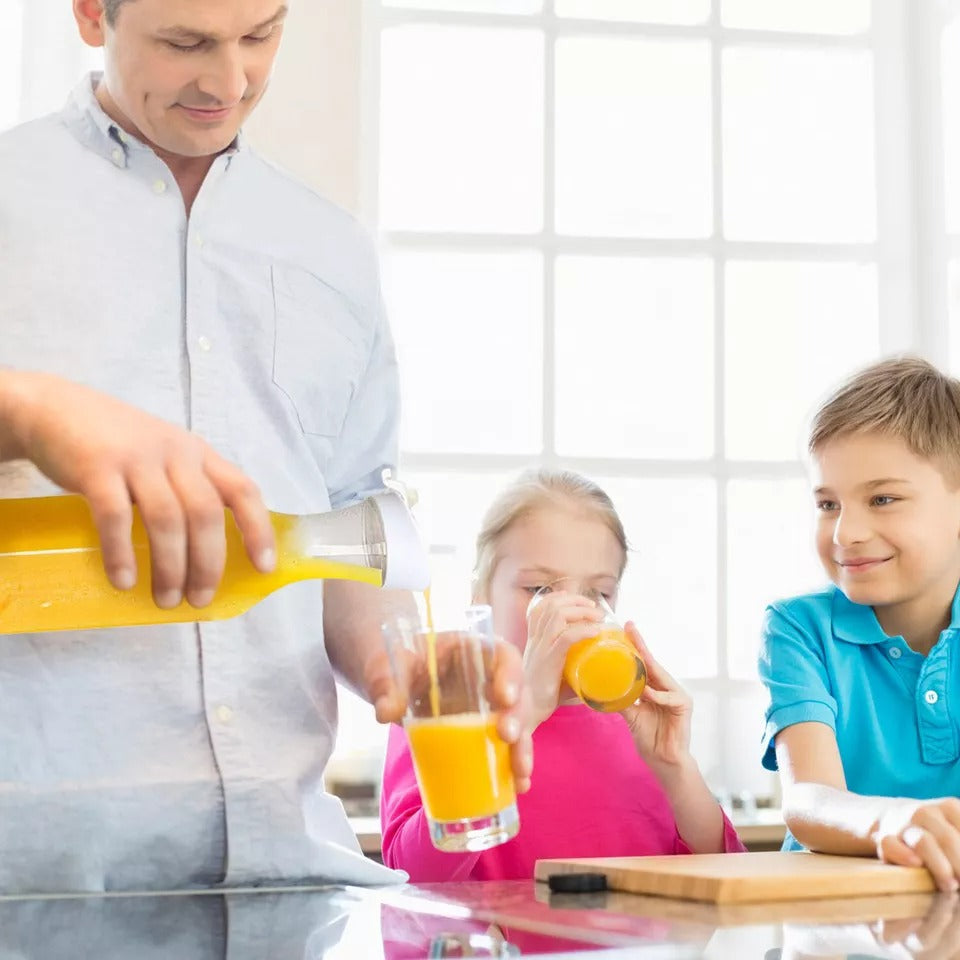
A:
[(894, 712)]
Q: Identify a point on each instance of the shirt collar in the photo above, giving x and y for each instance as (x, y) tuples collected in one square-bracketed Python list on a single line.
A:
[(857, 623), (90, 124)]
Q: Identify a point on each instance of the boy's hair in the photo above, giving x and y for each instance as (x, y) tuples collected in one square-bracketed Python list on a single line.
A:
[(530, 491), (111, 8), (904, 397)]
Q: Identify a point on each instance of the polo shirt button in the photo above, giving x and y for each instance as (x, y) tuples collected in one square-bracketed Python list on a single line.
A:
[(931, 696), (895, 653)]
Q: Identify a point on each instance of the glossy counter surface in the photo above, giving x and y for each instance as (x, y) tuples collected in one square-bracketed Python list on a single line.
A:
[(509, 919)]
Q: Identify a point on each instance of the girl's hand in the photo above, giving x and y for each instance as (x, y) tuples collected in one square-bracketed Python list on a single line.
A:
[(923, 832), (660, 720), (555, 622)]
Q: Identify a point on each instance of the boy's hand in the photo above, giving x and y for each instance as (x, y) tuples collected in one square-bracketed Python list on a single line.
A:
[(923, 833)]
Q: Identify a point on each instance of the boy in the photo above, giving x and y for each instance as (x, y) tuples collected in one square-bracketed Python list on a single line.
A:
[(862, 683)]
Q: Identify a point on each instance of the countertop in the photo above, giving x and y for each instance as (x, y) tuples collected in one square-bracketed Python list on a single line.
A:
[(501, 919), (761, 830)]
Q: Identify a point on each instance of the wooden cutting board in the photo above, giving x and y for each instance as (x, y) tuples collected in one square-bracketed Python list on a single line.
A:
[(747, 877)]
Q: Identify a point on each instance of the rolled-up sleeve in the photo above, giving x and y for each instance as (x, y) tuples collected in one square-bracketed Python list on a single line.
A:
[(793, 669)]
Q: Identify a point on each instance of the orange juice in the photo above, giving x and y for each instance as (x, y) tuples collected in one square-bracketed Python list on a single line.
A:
[(462, 765), (605, 671), (52, 577)]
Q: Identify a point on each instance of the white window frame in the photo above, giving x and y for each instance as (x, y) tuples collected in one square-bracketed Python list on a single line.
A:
[(911, 249)]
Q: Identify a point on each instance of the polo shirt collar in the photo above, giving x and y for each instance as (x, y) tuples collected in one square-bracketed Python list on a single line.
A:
[(857, 623)]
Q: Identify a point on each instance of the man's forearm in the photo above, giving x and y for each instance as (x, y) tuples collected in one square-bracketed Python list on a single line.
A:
[(352, 617)]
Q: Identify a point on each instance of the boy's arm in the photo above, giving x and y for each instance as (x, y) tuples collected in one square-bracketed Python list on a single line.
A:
[(817, 807), (824, 816)]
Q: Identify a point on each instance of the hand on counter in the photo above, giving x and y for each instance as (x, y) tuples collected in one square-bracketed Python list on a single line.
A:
[(923, 832)]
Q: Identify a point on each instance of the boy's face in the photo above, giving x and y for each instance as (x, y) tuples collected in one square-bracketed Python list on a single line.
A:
[(185, 74), (888, 529)]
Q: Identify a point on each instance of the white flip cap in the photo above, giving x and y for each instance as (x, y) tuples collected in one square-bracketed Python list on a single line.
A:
[(406, 561)]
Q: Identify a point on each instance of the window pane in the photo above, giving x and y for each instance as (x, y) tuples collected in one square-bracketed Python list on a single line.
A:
[(798, 145), (954, 307), (469, 333), (804, 16), (744, 771), (11, 43), (706, 739), (471, 6), (671, 526), (770, 555), (648, 11), (461, 129), (448, 511), (633, 147), (950, 91), (624, 328), (793, 331)]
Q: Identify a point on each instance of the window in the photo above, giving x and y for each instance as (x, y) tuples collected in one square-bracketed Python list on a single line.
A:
[(644, 236)]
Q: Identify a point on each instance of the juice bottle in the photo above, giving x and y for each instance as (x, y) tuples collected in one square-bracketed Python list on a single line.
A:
[(52, 576)]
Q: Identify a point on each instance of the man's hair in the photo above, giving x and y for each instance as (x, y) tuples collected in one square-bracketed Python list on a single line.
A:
[(110, 8), (905, 397)]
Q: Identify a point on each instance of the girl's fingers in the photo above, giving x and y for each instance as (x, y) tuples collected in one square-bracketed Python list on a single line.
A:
[(655, 673)]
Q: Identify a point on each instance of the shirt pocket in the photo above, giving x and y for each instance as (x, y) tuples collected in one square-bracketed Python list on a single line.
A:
[(318, 352)]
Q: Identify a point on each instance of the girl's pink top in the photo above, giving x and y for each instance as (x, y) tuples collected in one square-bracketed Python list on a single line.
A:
[(592, 796)]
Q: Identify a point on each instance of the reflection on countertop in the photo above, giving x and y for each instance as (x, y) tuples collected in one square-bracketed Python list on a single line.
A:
[(497, 919)]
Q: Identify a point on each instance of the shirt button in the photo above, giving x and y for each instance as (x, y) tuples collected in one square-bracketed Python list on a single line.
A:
[(117, 156), (204, 343), (895, 653), (159, 187), (198, 240), (931, 696), (224, 713)]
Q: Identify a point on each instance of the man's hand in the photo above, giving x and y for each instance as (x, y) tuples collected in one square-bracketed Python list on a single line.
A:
[(507, 692), (117, 456)]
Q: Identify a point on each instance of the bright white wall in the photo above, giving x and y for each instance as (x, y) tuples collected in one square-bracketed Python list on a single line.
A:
[(309, 120)]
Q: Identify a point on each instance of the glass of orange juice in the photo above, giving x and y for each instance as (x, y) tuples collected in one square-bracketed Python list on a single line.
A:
[(462, 764), (605, 671)]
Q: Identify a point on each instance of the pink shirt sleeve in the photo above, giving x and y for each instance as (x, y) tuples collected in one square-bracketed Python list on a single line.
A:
[(406, 840), (731, 840)]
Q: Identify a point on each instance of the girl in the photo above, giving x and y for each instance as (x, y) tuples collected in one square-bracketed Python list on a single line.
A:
[(603, 784)]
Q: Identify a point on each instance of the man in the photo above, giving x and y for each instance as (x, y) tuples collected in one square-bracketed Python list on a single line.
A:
[(165, 279)]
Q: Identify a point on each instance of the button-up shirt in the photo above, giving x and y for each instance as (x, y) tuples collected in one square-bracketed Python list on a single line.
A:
[(186, 754)]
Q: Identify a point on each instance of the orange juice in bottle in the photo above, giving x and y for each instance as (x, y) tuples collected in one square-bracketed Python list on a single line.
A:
[(52, 576)]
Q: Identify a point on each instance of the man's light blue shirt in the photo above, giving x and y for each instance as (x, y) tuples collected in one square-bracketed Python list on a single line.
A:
[(827, 660), (186, 755)]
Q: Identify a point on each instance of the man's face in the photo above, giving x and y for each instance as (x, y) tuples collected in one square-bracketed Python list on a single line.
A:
[(185, 74), (889, 522)]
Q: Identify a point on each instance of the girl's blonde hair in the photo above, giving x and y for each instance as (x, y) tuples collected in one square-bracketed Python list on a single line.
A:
[(905, 397), (529, 492)]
